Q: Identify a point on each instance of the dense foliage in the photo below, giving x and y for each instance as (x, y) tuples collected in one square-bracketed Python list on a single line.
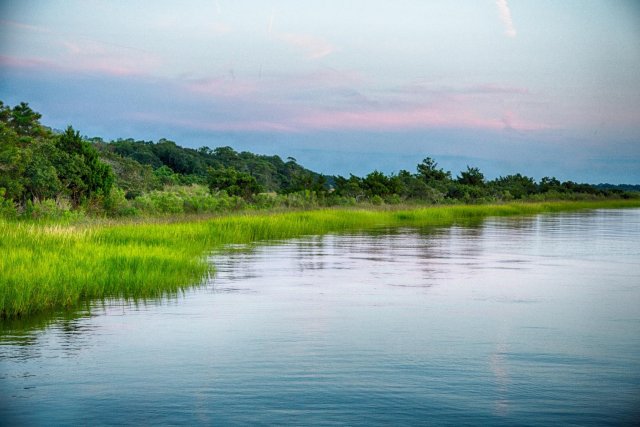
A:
[(37, 164), (185, 166), (51, 174)]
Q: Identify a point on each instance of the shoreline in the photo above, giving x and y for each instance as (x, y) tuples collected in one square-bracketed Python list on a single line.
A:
[(55, 265)]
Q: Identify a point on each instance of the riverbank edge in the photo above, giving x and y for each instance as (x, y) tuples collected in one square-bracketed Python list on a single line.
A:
[(52, 266)]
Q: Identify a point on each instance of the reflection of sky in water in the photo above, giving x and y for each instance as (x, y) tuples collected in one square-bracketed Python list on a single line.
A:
[(515, 321)]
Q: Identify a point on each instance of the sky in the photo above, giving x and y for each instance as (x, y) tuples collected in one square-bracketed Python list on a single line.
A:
[(539, 87)]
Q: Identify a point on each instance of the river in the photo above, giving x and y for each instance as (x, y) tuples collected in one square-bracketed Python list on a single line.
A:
[(528, 321)]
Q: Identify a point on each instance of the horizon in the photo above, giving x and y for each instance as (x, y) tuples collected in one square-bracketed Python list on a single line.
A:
[(530, 87), (410, 169)]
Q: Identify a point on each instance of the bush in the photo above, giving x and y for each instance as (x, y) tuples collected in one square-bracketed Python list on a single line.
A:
[(117, 204), (159, 202), (341, 201), (7, 207), (266, 200), (377, 200), (51, 209), (393, 199)]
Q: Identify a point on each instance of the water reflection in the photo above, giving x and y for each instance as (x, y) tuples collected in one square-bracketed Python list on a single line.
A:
[(511, 321)]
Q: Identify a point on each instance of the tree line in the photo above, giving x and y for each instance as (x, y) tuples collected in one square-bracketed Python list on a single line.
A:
[(44, 171)]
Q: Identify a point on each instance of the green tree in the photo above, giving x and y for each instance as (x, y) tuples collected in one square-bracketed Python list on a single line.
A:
[(24, 120), (472, 176), (12, 159), (234, 183), (349, 187), (550, 184), (428, 170), (40, 177), (79, 167), (376, 184), (517, 186)]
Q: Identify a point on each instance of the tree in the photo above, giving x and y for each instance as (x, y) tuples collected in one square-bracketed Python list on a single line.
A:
[(429, 171), (79, 167), (13, 159), (550, 184), (24, 120), (376, 184), (131, 176), (349, 187), (234, 183), (5, 113), (472, 176), (517, 186), (227, 156), (41, 179), (179, 159)]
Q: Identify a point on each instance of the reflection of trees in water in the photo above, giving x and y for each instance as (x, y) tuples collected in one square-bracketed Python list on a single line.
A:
[(70, 327), (19, 337), (398, 247), (383, 251), (430, 250)]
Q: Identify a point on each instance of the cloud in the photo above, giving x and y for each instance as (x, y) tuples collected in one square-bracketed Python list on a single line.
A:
[(331, 100), (422, 117), (211, 125), (426, 88), (25, 27), (505, 17), (270, 25), (313, 47), (23, 63), (220, 28), (222, 87), (81, 54), (96, 56), (105, 65), (323, 100)]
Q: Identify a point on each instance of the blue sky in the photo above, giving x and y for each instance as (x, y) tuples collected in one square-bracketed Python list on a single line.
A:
[(534, 86)]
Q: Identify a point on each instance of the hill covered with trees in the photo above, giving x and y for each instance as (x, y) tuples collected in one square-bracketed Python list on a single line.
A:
[(172, 164), (46, 173)]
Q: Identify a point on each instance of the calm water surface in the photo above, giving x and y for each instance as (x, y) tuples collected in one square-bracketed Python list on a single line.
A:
[(527, 321)]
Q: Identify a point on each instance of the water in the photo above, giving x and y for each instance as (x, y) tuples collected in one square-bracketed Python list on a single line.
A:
[(527, 321)]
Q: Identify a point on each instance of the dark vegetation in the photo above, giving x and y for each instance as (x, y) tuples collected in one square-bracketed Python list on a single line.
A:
[(44, 173)]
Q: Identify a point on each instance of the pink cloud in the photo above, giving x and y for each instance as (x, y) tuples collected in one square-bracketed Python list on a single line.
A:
[(286, 89), (25, 27), (491, 88), (476, 89), (313, 47), (221, 87), (285, 120), (24, 63), (212, 125), (101, 66), (325, 77), (413, 118), (220, 28), (88, 56), (83, 55), (505, 17), (328, 100), (93, 56)]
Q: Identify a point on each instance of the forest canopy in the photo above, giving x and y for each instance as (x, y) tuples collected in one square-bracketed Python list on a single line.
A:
[(44, 172)]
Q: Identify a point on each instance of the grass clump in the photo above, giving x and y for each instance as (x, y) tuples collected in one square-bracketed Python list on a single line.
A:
[(46, 266)]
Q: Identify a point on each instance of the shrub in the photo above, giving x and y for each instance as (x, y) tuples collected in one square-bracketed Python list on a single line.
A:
[(393, 199), (51, 209), (7, 207)]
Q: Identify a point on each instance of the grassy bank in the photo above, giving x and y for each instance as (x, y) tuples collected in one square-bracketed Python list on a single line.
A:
[(48, 266)]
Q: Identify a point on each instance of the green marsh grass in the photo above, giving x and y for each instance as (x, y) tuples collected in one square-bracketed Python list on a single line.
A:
[(51, 266)]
